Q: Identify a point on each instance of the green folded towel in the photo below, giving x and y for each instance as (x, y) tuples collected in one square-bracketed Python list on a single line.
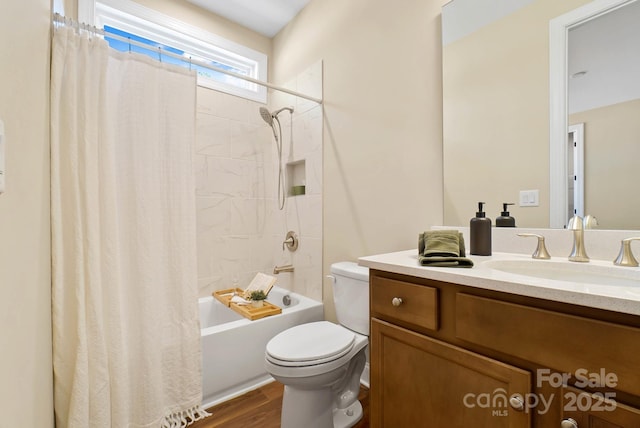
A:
[(442, 248)]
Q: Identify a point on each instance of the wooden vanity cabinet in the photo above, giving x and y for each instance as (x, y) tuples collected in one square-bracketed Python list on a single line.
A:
[(445, 355)]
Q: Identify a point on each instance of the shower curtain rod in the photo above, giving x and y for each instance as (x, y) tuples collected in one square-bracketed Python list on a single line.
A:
[(69, 22)]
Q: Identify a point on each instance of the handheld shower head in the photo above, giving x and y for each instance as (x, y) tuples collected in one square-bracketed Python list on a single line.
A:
[(272, 120), (266, 116), (269, 118)]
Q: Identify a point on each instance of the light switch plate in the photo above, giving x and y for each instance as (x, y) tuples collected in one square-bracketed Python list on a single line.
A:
[(529, 198)]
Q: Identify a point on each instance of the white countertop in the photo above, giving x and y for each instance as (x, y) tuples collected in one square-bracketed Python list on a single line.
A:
[(624, 299)]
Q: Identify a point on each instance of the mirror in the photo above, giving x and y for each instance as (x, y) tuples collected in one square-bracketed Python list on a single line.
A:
[(499, 65), (594, 69)]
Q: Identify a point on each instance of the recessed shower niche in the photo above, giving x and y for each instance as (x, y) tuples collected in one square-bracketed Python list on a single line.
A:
[(296, 178)]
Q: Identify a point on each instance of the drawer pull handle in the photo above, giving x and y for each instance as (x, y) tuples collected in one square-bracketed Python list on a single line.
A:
[(396, 301), (569, 423)]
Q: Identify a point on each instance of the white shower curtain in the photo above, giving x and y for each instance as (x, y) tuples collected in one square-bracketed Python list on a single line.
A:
[(125, 322)]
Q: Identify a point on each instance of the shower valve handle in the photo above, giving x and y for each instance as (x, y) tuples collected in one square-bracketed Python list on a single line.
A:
[(287, 243), (290, 241)]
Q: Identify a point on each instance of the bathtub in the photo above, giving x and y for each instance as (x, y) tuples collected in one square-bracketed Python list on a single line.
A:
[(233, 346)]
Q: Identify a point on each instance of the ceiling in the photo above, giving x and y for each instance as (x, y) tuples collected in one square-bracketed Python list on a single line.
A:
[(266, 17)]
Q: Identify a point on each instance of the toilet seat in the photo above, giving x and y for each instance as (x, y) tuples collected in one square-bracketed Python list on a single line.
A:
[(310, 344)]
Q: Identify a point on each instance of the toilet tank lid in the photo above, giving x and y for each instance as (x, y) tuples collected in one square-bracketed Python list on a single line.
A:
[(350, 270)]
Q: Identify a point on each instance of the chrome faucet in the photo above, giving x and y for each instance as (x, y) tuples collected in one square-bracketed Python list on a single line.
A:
[(285, 268), (578, 253)]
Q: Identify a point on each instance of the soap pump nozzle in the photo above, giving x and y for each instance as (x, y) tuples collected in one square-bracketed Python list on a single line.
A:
[(504, 212), (505, 220), (480, 212)]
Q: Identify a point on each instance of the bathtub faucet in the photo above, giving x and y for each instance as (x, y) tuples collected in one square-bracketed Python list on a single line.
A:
[(285, 268)]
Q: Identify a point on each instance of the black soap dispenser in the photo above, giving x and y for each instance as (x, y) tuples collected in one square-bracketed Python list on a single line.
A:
[(505, 220), (480, 231)]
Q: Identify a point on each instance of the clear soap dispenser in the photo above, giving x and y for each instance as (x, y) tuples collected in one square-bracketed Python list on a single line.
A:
[(480, 231)]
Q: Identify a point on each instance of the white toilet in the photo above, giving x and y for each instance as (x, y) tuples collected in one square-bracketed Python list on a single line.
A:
[(320, 363)]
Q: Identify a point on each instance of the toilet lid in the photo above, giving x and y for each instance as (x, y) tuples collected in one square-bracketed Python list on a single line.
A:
[(316, 341)]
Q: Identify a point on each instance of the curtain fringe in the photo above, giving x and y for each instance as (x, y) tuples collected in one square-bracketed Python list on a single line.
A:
[(184, 418)]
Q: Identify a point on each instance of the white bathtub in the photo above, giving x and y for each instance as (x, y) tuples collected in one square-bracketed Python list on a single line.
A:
[(233, 346)]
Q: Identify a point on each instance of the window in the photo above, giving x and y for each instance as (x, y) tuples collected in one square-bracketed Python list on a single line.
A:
[(131, 20)]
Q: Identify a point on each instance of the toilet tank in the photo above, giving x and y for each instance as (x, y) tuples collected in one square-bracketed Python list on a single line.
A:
[(351, 295)]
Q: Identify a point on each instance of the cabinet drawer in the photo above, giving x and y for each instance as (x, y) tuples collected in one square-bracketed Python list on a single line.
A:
[(414, 304), (564, 342)]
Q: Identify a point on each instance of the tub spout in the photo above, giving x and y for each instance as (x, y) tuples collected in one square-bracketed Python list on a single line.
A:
[(285, 268)]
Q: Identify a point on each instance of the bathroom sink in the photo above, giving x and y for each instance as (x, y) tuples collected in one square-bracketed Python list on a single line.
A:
[(588, 273)]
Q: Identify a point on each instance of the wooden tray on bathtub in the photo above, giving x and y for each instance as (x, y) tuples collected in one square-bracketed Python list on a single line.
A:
[(224, 296), (252, 313), (247, 311)]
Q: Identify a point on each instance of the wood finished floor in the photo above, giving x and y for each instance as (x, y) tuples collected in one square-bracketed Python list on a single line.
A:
[(260, 408)]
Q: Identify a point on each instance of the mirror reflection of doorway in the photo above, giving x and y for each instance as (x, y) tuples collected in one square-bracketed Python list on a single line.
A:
[(575, 168)]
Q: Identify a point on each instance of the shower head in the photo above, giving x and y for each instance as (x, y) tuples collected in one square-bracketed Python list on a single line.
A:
[(272, 120), (268, 117)]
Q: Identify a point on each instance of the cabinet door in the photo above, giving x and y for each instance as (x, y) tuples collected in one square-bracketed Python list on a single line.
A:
[(594, 411), (417, 381)]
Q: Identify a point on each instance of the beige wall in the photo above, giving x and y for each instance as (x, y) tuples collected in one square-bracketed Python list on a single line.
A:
[(25, 273), (611, 180), (382, 129), (496, 115)]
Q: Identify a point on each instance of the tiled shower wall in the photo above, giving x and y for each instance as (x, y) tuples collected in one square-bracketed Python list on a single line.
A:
[(240, 228)]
